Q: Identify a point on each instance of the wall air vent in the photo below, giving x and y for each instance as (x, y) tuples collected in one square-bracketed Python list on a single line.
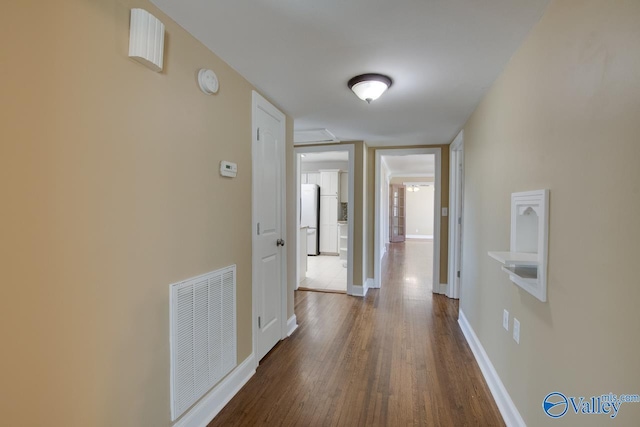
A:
[(203, 335), (313, 136)]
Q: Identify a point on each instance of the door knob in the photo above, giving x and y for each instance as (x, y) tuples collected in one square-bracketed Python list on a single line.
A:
[(280, 242)]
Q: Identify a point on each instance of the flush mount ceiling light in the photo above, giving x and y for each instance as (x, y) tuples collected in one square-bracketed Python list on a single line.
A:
[(413, 188), (369, 87)]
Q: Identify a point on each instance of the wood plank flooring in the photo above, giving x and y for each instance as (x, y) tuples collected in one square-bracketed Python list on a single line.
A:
[(394, 358)]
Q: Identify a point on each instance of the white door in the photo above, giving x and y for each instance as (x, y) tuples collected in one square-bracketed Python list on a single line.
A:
[(456, 202), (268, 244)]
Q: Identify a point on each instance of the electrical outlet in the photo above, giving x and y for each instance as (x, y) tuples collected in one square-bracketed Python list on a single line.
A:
[(516, 330), (505, 320)]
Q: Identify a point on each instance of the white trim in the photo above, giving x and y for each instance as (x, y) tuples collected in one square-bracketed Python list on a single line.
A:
[(410, 175), (508, 409), (370, 284), (212, 403), (292, 325), (437, 212), (386, 166), (456, 207), (419, 183), (351, 150), (258, 101), (458, 142), (419, 236), (360, 291), (441, 289)]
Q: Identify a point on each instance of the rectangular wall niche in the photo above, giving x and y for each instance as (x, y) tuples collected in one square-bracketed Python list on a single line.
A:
[(526, 261)]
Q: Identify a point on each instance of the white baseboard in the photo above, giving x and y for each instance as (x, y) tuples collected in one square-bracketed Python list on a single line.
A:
[(419, 236), (370, 283), (212, 403), (506, 406), (360, 291), (442, 289), (292, 325)]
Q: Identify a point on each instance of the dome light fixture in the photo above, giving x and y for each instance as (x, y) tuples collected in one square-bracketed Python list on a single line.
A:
[(369, 87)]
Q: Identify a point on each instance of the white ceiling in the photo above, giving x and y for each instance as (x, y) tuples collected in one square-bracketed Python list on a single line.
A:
[(411, 165), (442, 55)]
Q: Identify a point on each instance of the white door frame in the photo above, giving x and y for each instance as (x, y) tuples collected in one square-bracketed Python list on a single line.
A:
[(350, 149), (259, 102), (379, 245), (456, 205)]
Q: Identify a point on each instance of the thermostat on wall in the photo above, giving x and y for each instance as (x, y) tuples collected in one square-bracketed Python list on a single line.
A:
[(228, 169)]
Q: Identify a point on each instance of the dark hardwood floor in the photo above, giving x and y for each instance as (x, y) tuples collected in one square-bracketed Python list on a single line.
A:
[(394, 358)]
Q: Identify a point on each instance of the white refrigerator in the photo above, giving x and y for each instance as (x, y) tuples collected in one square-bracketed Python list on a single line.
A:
[(310, 215)]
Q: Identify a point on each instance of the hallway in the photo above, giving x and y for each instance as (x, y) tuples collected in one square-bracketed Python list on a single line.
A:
[(396, 357)]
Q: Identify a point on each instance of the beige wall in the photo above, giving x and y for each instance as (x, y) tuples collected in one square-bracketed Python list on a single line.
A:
[(444, 202), (565, 110), (110, 192)]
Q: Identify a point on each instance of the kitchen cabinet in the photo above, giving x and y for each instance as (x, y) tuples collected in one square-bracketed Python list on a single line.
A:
[(329, 182), (329, 224)]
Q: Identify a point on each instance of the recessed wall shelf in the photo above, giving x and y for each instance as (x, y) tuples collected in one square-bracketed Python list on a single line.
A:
[(526, 262), (519, 258)]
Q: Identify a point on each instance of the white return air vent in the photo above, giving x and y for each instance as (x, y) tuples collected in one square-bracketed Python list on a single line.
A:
[(313, 136), (203, 335)]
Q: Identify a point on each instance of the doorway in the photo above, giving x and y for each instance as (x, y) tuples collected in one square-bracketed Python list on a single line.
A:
[(414, 167), (324, 194)]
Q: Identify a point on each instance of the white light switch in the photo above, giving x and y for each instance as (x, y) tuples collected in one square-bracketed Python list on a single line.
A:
[(505, 320), (445, 211), (516, 330)]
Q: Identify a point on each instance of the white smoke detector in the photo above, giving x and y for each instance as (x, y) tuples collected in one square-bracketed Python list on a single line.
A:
[(208, 81)]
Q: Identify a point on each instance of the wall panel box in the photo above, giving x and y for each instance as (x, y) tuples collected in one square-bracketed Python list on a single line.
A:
[(526, 261), (146, 39)]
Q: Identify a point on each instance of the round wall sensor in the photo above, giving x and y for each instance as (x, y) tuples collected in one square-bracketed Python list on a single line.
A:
[(208, 81)]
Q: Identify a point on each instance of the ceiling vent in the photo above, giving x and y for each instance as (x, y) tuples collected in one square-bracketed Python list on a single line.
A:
[(313, 136)]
